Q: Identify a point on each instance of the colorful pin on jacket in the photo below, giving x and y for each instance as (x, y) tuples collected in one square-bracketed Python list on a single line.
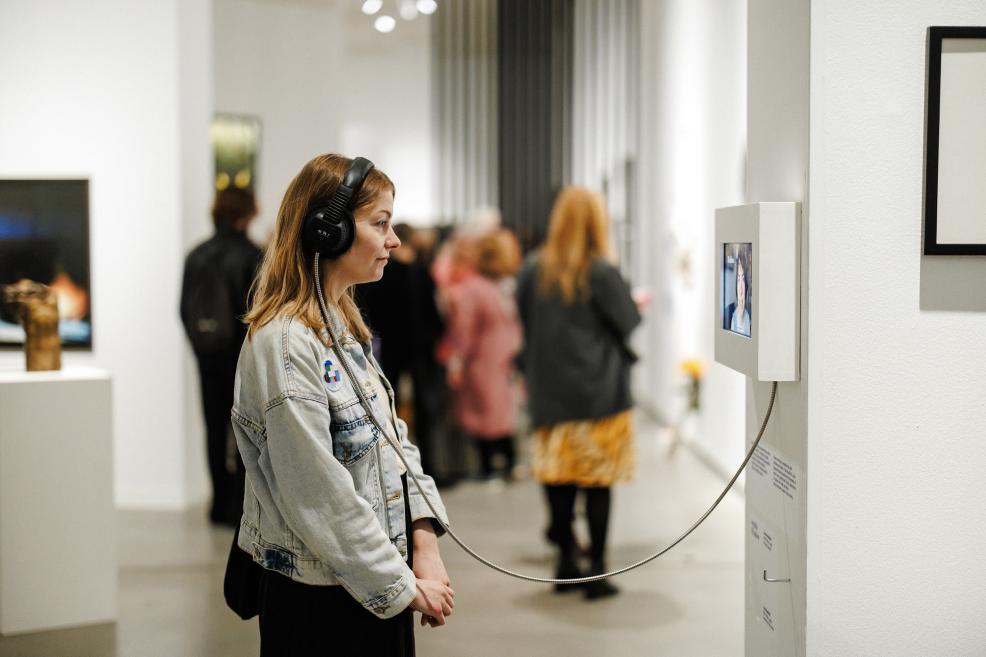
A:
[(332, 376)]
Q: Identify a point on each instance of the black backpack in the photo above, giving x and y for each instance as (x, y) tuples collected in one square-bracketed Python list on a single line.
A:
[(207, 308)]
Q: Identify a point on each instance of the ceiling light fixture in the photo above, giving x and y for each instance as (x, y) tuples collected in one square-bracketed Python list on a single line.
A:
[(408, 11), (385, 24), (371, 7), (427, 7)]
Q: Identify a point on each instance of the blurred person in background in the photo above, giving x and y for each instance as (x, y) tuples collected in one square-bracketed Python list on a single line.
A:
[(425, 241), (403, 316), (455, 257), (215, 292), (484, 339), (577, 313), (455, 261)]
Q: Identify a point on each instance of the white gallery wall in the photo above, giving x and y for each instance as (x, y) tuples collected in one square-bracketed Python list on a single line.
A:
[(197, 171), (777, 170), (692, 148), (387, 109), (885, 424), (280, 62), (896, 520), (92, 90), (321, 79), (123, 94)]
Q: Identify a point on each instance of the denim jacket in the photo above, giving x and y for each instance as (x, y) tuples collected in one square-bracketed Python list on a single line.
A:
[(324, 499)]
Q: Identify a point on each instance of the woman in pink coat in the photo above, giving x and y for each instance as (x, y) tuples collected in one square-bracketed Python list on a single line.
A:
[(484, 336)]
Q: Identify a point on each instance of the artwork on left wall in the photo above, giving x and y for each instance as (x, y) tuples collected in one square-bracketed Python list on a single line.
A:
[(236, 146), (44, 237)]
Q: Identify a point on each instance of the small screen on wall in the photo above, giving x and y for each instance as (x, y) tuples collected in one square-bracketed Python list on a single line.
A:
[(737, 288), (44, 237)]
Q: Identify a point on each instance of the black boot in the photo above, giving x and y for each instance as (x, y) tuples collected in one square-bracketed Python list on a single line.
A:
[(568, 569), (602, 588)]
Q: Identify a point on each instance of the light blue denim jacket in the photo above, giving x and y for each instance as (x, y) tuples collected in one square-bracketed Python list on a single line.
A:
[(324, 500)]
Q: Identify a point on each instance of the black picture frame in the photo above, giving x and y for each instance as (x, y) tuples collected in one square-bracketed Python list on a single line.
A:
[(932, 221)]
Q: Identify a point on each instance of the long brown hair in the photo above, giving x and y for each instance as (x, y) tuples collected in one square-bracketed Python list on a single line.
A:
[(577, 235), (285, 284)]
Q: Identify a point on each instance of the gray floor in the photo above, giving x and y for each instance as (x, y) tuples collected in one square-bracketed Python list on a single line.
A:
[(689, 602)]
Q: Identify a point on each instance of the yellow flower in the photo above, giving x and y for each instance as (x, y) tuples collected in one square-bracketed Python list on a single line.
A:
[(692, 367)]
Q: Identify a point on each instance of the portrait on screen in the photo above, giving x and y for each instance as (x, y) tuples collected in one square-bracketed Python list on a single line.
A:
[(737, 288)]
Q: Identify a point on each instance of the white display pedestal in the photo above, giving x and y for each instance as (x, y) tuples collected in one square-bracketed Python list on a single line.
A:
[(58, 563)]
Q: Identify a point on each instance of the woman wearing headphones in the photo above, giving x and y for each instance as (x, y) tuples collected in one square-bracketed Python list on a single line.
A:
[(348, 550)]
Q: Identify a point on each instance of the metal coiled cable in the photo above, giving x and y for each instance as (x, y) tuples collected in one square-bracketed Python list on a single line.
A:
[(337, 347)]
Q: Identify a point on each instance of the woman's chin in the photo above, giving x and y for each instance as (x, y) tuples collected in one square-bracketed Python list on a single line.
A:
[(375, 276)]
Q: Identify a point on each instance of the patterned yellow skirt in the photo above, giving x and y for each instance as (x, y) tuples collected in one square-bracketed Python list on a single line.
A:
[(585, 452)]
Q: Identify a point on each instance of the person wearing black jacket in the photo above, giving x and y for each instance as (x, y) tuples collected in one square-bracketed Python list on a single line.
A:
[(218, 275), (577, 313), (400, 309)]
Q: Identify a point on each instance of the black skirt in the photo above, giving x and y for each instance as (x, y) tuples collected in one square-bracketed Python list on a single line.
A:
[(301, 620)]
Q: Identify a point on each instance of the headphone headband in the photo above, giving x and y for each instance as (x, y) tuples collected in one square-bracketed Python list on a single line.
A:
[(357, 172)]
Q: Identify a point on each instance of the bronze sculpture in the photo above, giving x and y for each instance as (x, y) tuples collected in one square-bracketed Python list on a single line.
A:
[(37, 310)]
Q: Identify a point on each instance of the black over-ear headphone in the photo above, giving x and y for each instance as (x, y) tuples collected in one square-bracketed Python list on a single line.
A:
[(329, 227)]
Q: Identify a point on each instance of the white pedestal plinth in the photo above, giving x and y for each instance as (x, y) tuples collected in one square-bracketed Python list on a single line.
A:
[(58, 563)]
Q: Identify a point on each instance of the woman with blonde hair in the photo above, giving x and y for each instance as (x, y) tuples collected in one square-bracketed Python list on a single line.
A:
[(577, 313), (347, 550)]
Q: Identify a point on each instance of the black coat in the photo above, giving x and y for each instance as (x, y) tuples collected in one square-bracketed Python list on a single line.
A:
[(239, 260), (400, 308), (576, 361)]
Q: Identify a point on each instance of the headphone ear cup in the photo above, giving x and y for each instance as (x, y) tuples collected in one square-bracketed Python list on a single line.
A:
[(347, 226), (329, 227), (329, 236)]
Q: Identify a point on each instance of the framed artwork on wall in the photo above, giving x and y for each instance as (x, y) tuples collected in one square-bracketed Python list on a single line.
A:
[(955, 142), (236, 147), (44, 237)]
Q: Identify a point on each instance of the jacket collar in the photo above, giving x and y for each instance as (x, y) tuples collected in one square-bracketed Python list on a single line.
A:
[(335, 321)]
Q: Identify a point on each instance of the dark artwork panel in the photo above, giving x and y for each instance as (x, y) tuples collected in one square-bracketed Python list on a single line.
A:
[(44, 236)]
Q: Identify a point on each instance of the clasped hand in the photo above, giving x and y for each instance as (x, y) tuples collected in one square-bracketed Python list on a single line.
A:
[(435, 598)]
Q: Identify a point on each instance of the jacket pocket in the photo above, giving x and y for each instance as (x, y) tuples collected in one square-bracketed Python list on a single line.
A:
[(275, 557), (352, 440)]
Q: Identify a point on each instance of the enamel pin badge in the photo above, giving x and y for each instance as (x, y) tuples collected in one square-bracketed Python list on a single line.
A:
[(333, 376)]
